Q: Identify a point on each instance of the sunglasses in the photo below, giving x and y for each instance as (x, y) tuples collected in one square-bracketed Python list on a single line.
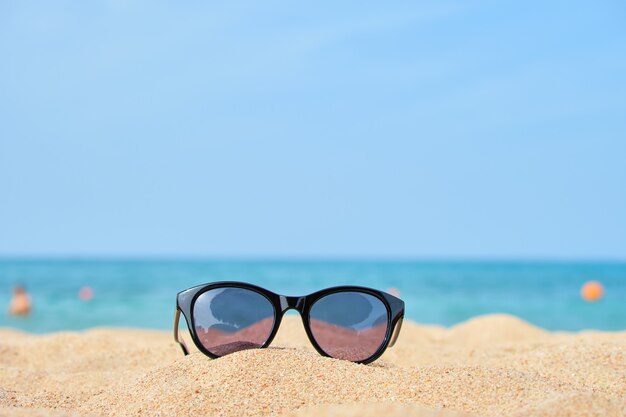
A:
[(352, 323)]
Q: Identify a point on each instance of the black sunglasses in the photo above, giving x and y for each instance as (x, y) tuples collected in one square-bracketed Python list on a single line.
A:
[(351, 323)]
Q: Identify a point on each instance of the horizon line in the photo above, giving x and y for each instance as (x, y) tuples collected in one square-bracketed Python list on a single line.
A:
[(304, 258)]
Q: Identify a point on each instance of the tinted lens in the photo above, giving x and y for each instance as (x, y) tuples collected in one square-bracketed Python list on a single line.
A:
[(232, 319), (349, 325)]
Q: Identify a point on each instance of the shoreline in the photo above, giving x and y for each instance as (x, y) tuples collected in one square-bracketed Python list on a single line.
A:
[(494, 317)]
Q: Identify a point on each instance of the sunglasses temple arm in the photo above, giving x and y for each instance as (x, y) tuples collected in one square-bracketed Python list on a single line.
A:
[(396, 332), (177, 337)]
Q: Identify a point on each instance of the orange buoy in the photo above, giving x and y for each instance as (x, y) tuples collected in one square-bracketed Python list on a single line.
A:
[(85, 293), (394, 291), (592, 291)]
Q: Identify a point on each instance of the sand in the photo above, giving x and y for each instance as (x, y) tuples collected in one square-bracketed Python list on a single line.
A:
[(490, 366)]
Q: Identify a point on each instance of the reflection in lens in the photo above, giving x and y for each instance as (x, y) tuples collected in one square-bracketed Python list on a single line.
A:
[(232, 319), (349, 325)]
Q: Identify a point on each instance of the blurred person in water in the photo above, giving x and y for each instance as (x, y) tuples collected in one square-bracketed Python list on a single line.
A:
[(20, 304)]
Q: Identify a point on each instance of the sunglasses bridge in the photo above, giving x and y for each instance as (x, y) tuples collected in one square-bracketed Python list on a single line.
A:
[(292, 303)]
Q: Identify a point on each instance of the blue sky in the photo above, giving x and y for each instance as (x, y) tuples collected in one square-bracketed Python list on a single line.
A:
[(414, 129)]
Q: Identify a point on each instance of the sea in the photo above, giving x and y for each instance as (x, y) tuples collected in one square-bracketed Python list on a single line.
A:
[(142, 292)]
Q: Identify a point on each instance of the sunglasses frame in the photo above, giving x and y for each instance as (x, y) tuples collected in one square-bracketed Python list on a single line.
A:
[(186, 299)]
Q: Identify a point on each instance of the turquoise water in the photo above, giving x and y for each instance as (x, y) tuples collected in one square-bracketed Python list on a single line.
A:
[(141, 293)]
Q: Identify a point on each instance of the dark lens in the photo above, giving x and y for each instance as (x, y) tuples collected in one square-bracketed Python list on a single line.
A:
[(349, 325), (232, 319)]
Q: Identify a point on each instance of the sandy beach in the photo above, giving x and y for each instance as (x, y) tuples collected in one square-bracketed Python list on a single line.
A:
[(489, 366)]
